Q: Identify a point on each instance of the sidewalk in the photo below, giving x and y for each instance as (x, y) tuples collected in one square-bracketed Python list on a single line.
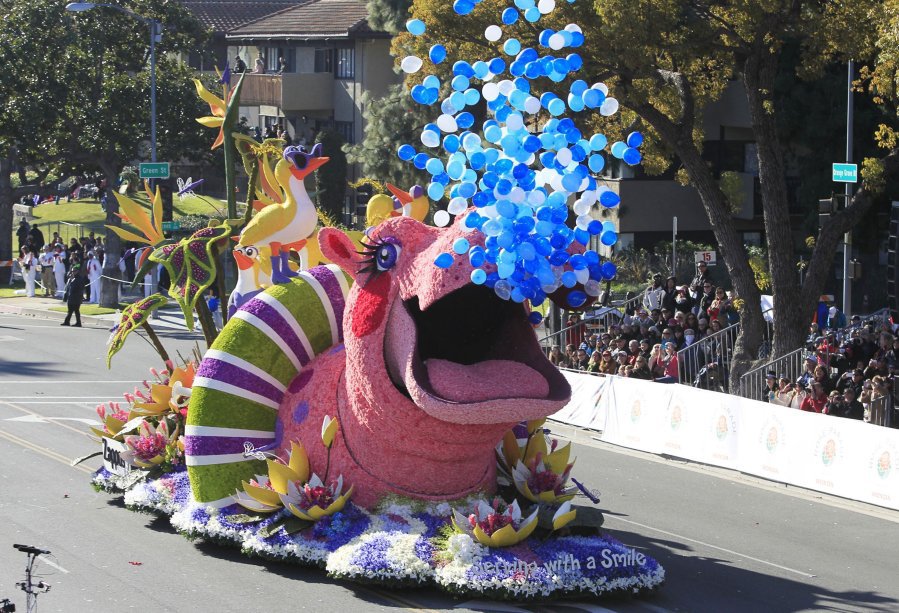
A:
[(170, 316)]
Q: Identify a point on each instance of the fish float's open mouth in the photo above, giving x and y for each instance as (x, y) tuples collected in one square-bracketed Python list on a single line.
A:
[(471, 358)]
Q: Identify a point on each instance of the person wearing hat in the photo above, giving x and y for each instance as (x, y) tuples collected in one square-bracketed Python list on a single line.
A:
[(771, 387), (808, 375), (652, 297)]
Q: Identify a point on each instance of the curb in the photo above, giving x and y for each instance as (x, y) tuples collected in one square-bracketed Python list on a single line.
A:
[(54, 315)]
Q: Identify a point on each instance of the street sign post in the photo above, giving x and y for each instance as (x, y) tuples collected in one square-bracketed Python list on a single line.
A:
[(845, 173), (154, 170), (171, 226)]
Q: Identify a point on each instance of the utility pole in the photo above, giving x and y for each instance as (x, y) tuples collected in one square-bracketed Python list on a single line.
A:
[(847, 238), (674, 246)]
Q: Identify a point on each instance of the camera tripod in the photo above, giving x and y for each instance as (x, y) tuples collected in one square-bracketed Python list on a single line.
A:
[(31, 589)]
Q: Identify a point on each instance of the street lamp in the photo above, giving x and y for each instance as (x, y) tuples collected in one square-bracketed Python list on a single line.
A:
[(153, 24)]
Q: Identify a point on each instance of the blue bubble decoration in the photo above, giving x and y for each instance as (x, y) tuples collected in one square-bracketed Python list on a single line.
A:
[(444, 260), (577, 299), (437, 54), (405, 152), (535, 317), (608, 238), (631, 156), (609, 270), (478, 276), (463, 7), (461, 246), (634, 139), (416, 27)]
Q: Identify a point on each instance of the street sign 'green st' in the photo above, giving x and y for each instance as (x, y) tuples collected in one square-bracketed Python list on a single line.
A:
[(845, 173), (154, 170)]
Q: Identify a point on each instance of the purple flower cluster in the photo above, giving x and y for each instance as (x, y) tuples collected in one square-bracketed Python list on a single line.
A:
[(372, 556), (424, 550), (433, 523), (342, 527)]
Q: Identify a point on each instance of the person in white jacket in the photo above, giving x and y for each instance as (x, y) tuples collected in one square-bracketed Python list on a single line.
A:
[(94, 272), (59, 267), (27, 263)]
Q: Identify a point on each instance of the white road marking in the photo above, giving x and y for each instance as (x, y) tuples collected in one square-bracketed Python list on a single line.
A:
[(54, 565), (6, 338), (40, 419), (709, 545)]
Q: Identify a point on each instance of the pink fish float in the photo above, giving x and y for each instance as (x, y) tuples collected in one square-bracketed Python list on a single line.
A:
[(423, 370)]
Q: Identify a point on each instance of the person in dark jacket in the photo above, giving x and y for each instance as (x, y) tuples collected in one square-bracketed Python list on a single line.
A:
[(75, 291)]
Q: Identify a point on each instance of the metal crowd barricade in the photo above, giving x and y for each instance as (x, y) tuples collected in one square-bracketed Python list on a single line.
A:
[(694, 361), (752, 383), (575, 332)]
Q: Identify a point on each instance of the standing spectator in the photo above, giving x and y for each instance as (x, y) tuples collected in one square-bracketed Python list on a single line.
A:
[(22, 233), (59, 266), (836, 320), (852, 408), (771, 387), (641, 370), (282, 65), (47, 278), (27, 263), (74, 293), (656, 367), (669, 298), (816, 401), (808, 375), (683, 301), (556, 357), (702, 277), (38, 239), (669, 362), (652, 298), (94, 272), (260, 65), (239, 64), (706, 299)]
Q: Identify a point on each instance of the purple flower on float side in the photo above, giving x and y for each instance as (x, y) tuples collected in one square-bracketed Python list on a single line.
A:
[(372, 555)]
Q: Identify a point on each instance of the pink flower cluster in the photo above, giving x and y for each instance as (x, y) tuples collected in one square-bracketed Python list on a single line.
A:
[(500, 518), (320, 496), (148, 447), (115, 411)]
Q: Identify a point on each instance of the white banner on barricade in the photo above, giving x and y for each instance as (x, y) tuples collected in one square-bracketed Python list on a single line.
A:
[(587, 408), (637, 413), (838, 456)]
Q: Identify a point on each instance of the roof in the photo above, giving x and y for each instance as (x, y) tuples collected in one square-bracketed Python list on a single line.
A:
[(312, 19), (225, 15)]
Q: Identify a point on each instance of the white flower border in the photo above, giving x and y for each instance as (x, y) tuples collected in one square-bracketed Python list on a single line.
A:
[(457, 558)]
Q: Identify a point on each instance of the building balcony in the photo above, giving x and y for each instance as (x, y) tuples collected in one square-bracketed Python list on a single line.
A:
[(291, 92)]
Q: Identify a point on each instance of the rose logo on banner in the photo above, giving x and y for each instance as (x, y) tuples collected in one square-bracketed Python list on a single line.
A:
[(636, 411), (829, 447), (721, 428), (772, 439), (829, 452), (677, 417), (884, 465)]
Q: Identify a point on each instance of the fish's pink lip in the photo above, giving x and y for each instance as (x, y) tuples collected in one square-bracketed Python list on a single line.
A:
[(500, 347)]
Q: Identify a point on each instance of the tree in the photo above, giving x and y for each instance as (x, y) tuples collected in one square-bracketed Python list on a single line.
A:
[(76, 90), (389, 121), (665, 62), (388, 15), (330, 179)]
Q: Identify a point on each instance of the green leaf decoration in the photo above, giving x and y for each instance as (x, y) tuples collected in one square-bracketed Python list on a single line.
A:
[(133, 316), (191, 266), (243, 518), (272, 528), (295, 524)]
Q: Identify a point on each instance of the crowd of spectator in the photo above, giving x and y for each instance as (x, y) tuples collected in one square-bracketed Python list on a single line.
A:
[(848, 372), (644, 343)]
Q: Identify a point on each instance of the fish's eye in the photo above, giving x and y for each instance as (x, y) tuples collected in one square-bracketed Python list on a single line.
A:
[(251, 252), (386, 256)]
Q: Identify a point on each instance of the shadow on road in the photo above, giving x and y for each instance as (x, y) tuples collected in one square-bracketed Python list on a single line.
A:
[(701, 583), (24, 369)]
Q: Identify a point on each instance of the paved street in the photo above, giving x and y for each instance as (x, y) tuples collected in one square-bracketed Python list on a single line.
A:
[(728, 542)]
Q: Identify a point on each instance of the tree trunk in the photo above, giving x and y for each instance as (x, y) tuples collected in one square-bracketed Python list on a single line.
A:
[(109, 285), (6, 202), (793, 314), (716, 207)]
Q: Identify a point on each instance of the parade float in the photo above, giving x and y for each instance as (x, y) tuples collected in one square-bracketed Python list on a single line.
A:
[(375, 404)]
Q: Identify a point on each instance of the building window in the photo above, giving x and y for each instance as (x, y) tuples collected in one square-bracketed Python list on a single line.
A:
[(324, 60), (345, 129), (346, 63)]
